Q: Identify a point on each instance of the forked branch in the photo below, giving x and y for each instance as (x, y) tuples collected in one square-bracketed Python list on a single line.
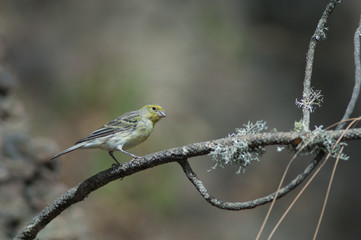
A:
[(82, 190)]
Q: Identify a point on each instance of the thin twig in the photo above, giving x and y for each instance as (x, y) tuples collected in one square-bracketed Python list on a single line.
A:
[(328, 192), (319, 156), (236, 206), (342, 121), (296, 198), (356, 88), (319, 34), (354, 120), (332, 175), (311, 179)]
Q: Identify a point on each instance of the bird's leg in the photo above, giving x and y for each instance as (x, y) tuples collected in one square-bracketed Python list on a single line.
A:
[(112, 155), (130, 154), (120, 148)]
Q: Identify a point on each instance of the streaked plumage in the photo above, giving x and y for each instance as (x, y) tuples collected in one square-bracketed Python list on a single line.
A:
[(124, 132)]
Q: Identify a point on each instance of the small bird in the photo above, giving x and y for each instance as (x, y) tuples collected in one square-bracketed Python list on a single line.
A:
[(124, 132)]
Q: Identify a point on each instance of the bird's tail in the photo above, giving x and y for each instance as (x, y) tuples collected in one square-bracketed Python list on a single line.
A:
[(75, 147)]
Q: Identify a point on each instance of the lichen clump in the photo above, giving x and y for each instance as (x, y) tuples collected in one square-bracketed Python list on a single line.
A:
[(239, 153)]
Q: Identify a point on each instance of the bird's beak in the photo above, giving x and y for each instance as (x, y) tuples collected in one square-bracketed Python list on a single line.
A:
[(162, 114)]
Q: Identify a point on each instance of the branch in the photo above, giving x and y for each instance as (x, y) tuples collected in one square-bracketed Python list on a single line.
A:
[(356, 88), (319, 34), (82, 190), (236, 206)]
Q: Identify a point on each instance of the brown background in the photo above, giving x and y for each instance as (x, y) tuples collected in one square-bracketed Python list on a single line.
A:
[(213, 66)]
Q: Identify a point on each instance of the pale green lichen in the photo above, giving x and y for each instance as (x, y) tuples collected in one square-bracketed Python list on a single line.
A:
[(314, 99), (320, 140), (239, 153), (298, 126)]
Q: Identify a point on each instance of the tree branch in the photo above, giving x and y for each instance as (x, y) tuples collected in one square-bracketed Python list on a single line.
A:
[(356, 88), (319, 34), (82, 190), (236, 206)]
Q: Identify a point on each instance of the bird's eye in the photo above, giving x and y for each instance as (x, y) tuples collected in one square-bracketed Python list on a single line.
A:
[(154, 108)]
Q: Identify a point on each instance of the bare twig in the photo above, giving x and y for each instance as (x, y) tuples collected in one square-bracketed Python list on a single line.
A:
[(351, 124), (236, 206), (294, 201), (312, 177), (81, 191), (319, 156), (319, 34), (356, 88), (327, 193)]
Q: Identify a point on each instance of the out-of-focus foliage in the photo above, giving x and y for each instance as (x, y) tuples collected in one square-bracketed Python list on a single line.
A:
[(214, 66)]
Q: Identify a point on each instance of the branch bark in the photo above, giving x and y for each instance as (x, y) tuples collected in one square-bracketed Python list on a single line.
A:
[(236, 206), (357, 86), (82, 190), (318, 35)]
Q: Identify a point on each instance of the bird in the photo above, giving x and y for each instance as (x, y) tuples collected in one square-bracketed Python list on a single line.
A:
[(122, 133)]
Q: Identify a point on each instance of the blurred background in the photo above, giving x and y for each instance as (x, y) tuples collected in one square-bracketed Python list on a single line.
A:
[(214, 66)]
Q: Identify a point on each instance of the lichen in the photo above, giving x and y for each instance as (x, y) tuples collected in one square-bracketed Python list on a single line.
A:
[(320, 140), (239, 153)]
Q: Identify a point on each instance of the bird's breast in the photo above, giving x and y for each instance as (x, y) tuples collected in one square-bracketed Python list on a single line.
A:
[(138, 136)]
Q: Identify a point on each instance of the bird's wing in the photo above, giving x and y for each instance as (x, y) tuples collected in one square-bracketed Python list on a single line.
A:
[(123, 123)]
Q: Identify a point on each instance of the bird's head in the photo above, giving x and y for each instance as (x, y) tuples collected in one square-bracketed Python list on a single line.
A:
[(153, 112)]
